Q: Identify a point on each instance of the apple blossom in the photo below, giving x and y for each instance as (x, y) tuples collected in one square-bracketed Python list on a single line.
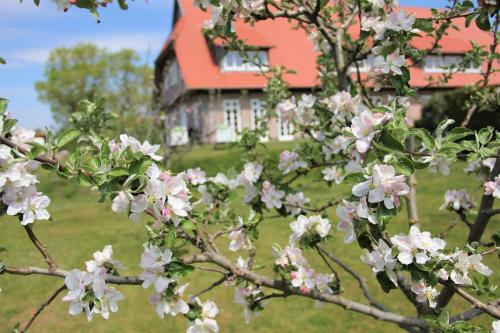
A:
[(381, 259), (171, 305), (153, 262), (251, 172), (303, 278), (392, 63), (493, 187), (385, 186), (290, 255), (294, 203), (238, 238), (425, 293), (416, 246), (195, 176), (457, 200), (400, 21), (363, 128), (290, 161), (270, 196), (334, 174), (304, 225)]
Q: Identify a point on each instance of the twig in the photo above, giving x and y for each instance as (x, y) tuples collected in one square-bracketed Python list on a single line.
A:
[(472, 313), (41, 247), (356, 276), (273, 295), (210, 287), (493, 311), (337, 277), (42, 307)]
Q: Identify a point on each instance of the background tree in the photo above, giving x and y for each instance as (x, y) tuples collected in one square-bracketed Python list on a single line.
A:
[(86, 72)]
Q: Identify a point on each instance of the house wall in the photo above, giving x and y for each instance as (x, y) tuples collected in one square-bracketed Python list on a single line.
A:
[(202, 112)]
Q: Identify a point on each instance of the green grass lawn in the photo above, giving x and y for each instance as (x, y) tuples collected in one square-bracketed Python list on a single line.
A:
[(82, 226)]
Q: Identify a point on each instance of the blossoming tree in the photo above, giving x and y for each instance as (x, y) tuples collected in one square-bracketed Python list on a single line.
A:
[(350, 138)]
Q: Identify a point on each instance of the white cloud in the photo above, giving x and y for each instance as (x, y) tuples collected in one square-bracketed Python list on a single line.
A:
[(139, 42)]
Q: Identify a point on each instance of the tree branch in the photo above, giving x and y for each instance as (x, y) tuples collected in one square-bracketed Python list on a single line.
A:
[(41, 247), (42, 307)]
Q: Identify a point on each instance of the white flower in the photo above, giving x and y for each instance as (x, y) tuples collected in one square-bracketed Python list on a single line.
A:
[(362, 128), (381, 259), (195, 176), (251, 172), (384, 186), (463, 263), (205, 323), (439, 164), (172, 305), (315, 224), (322, 282), (108, 302), (101, 258), (77, 283), (285, 108), (457, 200), (303, 278), (334, 174), (375, 24), (238, 238), (391, 63), (400, 21), (290, 255), (290, 161), (32, 206), (416, 245), (135, 146), (425, 293), (294, 203), (153, 262), (270, 196), (493, 188), (346, 211)]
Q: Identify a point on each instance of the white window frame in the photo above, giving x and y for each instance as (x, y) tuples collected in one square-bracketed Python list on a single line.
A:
[(287, 135), (173, 75), (231, 109), (434, 63), (233, 61), (256, 115)]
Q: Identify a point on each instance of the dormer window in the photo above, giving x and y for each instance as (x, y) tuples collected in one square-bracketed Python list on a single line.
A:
[(446, 62), (252, 61)]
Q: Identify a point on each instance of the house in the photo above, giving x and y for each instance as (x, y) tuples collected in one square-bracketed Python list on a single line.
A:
[(209, 94)]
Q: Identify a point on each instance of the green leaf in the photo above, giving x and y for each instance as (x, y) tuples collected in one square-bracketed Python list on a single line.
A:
[(7, 125), (3, 105), (139, 167), (483, 22), (66, 137), (442, 126), (2, 61), (485, 134), (458, 133), (36, 2), (354, 178), (405, 166), (84, 180), (391, 142), (385, 282), (424, 25), (123, 5), (118, 172), (424, 136)]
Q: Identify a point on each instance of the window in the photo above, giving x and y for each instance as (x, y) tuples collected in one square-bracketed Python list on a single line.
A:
[(172, 75), (444, 63), (234, 61), (257, 114), (232, 116), (285, 129)]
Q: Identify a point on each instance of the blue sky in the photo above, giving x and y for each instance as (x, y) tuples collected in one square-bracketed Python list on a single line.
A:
[(28, 33)]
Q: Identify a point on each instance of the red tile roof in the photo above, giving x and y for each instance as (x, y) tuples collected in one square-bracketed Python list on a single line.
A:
[(292, 49)]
